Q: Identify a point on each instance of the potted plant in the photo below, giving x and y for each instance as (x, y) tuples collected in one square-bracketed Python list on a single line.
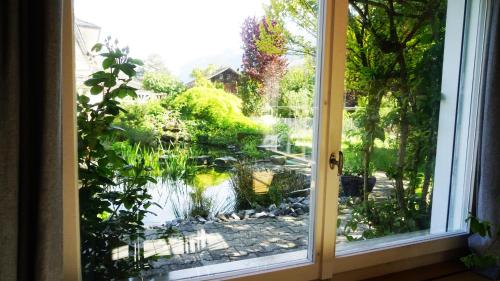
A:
[(351, 180), (485, 258)]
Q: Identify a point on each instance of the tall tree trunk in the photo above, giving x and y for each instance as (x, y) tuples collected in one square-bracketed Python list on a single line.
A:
[(428, 170), (400, 164), (366, 172), (371, 124), (415, 163)]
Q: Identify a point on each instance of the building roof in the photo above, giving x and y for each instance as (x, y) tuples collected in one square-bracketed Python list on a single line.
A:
[(219, 71), (222, 70)]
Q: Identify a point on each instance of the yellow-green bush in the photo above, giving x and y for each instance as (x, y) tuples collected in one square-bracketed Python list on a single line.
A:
[(214, 115)]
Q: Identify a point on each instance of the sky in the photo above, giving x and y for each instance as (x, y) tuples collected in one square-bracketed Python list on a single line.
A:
[(185, 33)]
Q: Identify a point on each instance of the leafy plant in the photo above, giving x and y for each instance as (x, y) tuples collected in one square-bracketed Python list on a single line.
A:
[(383, 218), (488, 258), (112, 193)]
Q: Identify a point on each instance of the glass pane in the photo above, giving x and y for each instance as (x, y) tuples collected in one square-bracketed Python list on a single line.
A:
[(202, 152), (390, 127)]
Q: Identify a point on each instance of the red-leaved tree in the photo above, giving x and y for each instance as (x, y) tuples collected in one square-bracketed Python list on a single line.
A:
[(264, 54)]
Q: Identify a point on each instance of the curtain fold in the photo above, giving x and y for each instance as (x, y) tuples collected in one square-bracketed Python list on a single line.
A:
[(30, 140), (487, 201)]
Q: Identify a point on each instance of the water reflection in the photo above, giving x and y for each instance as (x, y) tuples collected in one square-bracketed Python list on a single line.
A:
[(175, 198)]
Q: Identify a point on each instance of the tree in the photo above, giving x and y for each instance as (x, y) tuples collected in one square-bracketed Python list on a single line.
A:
[(303, 16), (200, 76), (389, 45), (162, 82), (263, 55)]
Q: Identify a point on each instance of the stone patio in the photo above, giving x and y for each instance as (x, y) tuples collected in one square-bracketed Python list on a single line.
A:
[(200, 243)]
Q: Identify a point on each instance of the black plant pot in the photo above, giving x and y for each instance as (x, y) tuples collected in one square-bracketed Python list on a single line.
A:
[(353, 185), (492, 273)]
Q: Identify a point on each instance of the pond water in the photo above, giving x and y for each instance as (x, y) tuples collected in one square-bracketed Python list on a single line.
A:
[(173, 197)]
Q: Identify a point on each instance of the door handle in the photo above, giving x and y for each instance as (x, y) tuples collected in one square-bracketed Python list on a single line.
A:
[(339, 163)]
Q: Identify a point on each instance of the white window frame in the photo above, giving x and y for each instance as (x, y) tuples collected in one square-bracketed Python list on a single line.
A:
[(324, 263)]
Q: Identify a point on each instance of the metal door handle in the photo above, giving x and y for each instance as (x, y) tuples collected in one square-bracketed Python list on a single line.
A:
[(339, 163)]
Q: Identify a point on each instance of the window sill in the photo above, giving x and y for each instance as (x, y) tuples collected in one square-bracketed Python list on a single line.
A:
[(261, 268), (388, 251)]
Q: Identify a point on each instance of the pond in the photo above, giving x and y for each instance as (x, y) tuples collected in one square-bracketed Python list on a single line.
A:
[(174, 199)]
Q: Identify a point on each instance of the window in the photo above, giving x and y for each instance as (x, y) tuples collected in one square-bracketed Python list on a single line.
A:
[(421, 139), (311, 245)]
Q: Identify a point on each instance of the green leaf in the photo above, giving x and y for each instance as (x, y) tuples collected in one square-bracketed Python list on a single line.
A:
[(93, 81), (97, 47), (136, 61), (107, 63), (127, 68), (96, 89), (83, 99), (111, 82)]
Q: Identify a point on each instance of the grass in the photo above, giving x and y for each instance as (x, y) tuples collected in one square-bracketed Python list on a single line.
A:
[(172, 163)]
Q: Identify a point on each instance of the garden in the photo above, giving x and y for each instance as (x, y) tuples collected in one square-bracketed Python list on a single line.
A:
[(165, 182)]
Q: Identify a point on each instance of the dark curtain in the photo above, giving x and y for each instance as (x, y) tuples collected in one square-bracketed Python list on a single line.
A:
[(487, 199), (30, 140)]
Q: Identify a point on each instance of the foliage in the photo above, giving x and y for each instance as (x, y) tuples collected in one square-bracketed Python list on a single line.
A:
[(200, 77), (150, 123), (113, 196), (262, 49), (200, 204), (302, 17), (395, 53), (283, 132), (249, 146), (263, 56), (162, 82), (383, 218), (251, 99), (488, 258), (297, 92), (242, 183), (214, 114), (169, 163), (353, 160)]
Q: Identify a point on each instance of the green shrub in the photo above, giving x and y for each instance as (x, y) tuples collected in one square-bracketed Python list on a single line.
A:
[(384, 218), (214, 114), (249, 146), (297, 92), (160, 82), (150, 122), (252, 100), (200, 205)]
